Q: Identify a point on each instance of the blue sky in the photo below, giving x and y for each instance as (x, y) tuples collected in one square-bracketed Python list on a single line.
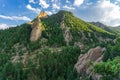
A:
[(16, 12)]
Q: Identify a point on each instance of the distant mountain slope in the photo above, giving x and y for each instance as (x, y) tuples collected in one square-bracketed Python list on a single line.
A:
[(115, 30), (102, 26)]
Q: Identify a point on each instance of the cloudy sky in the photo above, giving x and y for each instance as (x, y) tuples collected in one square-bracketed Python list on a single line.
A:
[(16, 12)]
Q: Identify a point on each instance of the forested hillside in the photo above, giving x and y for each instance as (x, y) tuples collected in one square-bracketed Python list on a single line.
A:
[(53, 56)]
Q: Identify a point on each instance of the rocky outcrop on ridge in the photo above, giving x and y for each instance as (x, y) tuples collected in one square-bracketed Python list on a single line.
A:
[(82, 65), (37, 27), (36, 30)]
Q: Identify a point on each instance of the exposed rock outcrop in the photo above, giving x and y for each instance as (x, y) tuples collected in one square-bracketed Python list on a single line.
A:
[(66, 32), (43, 15), (82, 65), (37, 27), (36, 30), (67, 36)]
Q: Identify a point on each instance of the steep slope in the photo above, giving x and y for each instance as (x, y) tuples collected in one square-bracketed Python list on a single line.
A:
[(52, 55), (76, 29)]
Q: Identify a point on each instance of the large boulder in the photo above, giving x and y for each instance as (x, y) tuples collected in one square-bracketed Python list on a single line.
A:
[(82, 65)]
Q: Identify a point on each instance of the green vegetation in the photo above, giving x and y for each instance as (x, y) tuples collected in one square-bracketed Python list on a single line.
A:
[(49, 58), (116, 30), (109, 70), (46, 65), (78, 29), (9, 37), (113, 50)]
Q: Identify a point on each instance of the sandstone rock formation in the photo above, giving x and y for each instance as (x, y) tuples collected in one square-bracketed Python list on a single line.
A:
[(37, 27), (67, 36), (36, 30), (42, 15), (66, 32), (82, 65)]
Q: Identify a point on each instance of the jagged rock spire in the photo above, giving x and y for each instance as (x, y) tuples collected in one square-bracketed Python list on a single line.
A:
[(37, 27), (43, 14), (36, 30)]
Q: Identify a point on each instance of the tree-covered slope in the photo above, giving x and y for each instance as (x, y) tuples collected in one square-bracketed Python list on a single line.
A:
[(79, 29), (54, 28), (11, 36), (53, 55)]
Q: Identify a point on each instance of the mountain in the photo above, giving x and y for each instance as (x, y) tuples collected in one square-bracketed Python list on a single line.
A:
[(78, 29), (48, 47), (115, 30), (101, 25)]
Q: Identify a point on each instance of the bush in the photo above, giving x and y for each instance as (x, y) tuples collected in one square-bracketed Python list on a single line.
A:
[(109, 70)]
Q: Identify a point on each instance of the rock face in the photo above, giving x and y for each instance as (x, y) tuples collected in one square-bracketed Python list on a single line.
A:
[(82, 65), (67, 36), (66, 32), (37, 27), (43, 15), (36, 30)]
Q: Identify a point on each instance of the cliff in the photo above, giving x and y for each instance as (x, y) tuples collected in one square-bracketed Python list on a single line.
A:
[(37, 27)]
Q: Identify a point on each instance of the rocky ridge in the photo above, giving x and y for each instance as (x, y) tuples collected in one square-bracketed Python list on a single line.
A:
[(93, 55), (37, 27)]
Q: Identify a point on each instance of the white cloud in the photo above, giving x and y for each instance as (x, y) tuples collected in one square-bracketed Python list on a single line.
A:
[(36, 10), (118, 0), (69, 8), (43, 4), (78, 2), (5, 26), (110, 12), (103, 11), (49, 12), (32, 1), (55, 6), (67, 1), (24, 18), (89, 3), (52, 0)]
